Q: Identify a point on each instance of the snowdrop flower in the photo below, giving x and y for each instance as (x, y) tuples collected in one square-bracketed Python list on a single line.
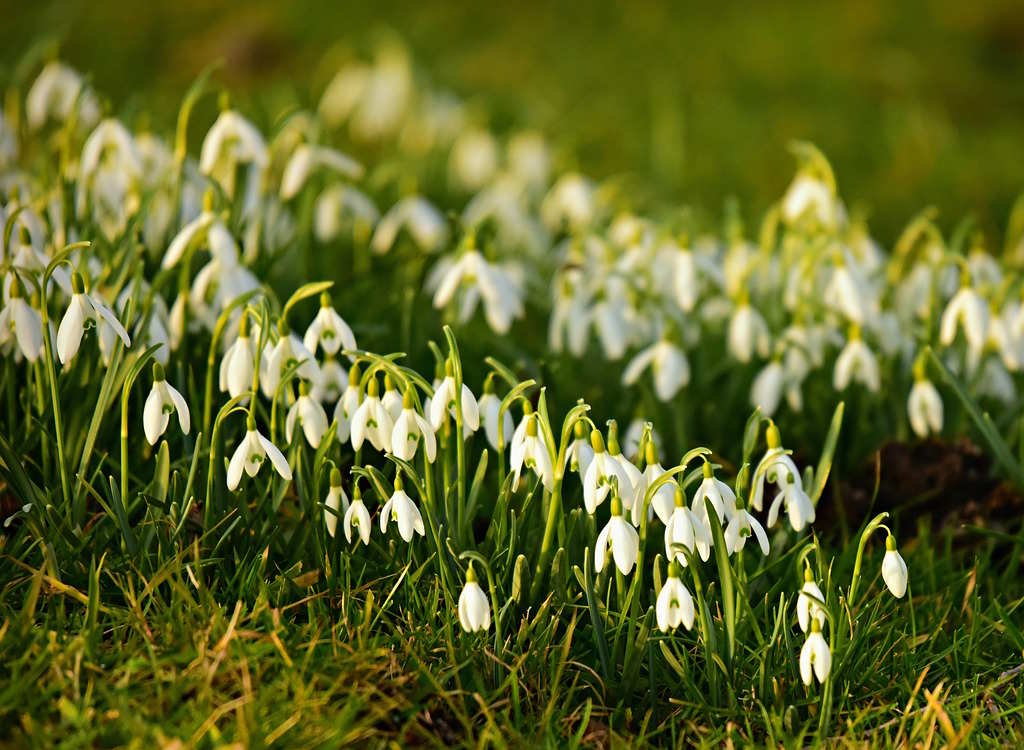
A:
[(238, 362), (857, 363), (251, 452), (798, 505), (371, 421), (662, 503), (409, 428), (685, 527), (110, 139), (288, 352), (675, 605), (402, 510), (529, 158), (722, 498), (843, 293), (340, 207), (775, 466), (740, 527), (766, 391), (329, 330), (924, 408), (391, 399), (532, 453), (307, 158), (748, 333), (443, 403), (348, 404), (207, 227), (163, 400), (84, 309), (604, 471), (474, 159), (809, 197), (336, 505), (669, 365), (569, 204), (620, 537), (474, 609), (611, 326), (308, 413), (480, 280), (332, 381), (894, 569), (21, 322), (685, 284), (488, 406), (807, 606), (815, 657), (968, 310), (55, 93), (231, 142), (424, 223), (637, 484), (357, 516), (580, 452)]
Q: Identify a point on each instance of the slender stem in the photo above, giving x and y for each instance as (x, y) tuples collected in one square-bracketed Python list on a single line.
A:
[(58, 422), (547, 543)]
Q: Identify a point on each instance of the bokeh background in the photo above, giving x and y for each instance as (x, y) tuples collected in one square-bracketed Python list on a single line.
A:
[(916, 103)]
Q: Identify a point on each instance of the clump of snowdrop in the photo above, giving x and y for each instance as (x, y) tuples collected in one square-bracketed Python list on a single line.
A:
[(410, 429), (329, 331)]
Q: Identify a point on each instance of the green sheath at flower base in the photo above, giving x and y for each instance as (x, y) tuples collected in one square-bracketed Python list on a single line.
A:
[(335, 478)]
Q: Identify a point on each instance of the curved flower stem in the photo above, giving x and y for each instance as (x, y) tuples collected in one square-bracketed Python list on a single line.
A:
[(58, 422)]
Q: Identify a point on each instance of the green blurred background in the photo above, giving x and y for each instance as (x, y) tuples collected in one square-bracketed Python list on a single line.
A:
[(916, 103)]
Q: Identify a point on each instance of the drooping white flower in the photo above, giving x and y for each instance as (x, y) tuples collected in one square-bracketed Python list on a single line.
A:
[(409, 429), (329, 330), (230, 143), (669, 365), (675, 604), (604, 471), (288, 352), (337, 504), (620, 537), (856, 362), (775, 466), (531, 452), (807, 605), (748, 333), (473, 161), (371, 421), (474, 609), (423, 222), (766, 390), (391, 399), (443, 403), (85, 308), (810, 198), (815, 656), (403, 511), (662, 503), (685, 527), (306, 412), (357, 516), (329, 387), (20, 322), (569, 204), (894, 569), (845, 294), (307, 158), (740, 527), (966, 309), (341, 207), (348, 404), (477, 279), (488, 407), (250, 455), (722, 498), (55, 93), (163, 400), (799, 507), (239, 362), (580, 452), (924, 408)]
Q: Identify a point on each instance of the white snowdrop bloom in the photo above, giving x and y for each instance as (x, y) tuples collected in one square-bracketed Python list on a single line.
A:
[(55, 93), (620, 537), (474, 609), (924, 408), (856, 363), (748, 333), (637, 483), (532, 453), (381, 100), (766, 390), (358, 517), (340, 207), (662, 502), (488, 406), (634, 436), (443, 402), (807, 606), (501, 205), (85, 309), (473, 161), (722, 498), (176, 321), (409, 429), (570, 204), (529, 158), (799, 507), (775, 466), (20, 322), (163, 400), (580, 452), (348, 404), (403, 511), (424, 223), (815, 657), (209, 228), (308, 158), (250, 455), (995, 381), (288, 352), (371, 421), (969, 311), (740, 527), (1001, 339), (479, 280), (675, 604), (337, 504), (894, 569), (685, 527), (110, 140), (845, 295), (669, 365), (604, 471), (329, 330), (307, 413), (685, 284), (238, 362), (329, 387), (611, 326), (391, 399), (809, 197), (570, 316), (232, 142)]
